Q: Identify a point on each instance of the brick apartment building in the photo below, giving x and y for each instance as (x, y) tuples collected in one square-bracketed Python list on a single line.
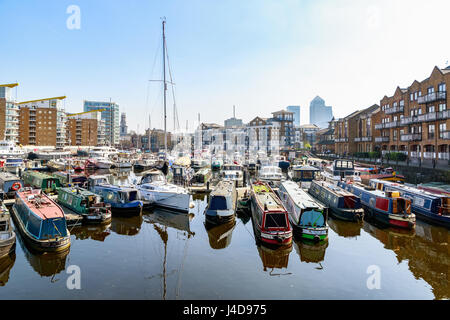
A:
[(83, 128), (416, 120)]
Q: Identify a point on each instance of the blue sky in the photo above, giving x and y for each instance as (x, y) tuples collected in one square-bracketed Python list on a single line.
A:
[(258, 55)]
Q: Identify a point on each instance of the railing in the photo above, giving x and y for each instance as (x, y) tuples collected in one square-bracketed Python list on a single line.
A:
[(381, 139), (341, 140), (445, 114), (394, 110), (391, 124), (440, 95), (427, 117), (379, 126), (415, 154), (411, 137), (444, 156), (429, 155), (363, 139)]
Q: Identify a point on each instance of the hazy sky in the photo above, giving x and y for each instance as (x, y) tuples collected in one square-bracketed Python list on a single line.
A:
[(258, 55)]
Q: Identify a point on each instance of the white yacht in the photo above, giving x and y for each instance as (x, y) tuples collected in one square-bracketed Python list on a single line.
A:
[(233, 172), (9, 149), (271, 175), (103, 152), (155, 189)]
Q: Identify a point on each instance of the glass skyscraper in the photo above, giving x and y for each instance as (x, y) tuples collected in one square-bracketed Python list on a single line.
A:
[(111, 117), (319, 113)]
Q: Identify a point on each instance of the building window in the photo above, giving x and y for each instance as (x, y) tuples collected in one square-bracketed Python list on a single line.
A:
[(442, 106), (430, 131), (442, 87), (430, 90), (411, 97), (442, 129), (431, 109), (394, 136)]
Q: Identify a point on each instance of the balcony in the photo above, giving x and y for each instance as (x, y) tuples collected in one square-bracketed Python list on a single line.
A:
[(379, 126), (381, 139), (434, 96), (444, 156), (387, 125), (445, 114), (411, 137), (415, 154), (427, 117), (394, 110), (363, 139), (407, 120), (341, 140), (445, 135)]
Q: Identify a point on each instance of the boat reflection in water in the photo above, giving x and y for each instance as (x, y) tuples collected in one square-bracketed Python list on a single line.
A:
[(219, 234), (274, 258), (47, 264), (94, 232), (6, 264), (421, 251), (129, 226), (311, 252), (162, 219), (345, 229)]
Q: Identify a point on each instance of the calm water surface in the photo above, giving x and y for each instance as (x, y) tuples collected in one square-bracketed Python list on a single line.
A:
[(164, 255)]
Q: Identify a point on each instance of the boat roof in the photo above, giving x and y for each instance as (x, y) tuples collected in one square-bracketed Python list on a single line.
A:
[(265, 196), (334, 188), (304, 168), (407, 188), (38, 174), (223, 188), (77, 191), (299, 196), (47, 209), (7, 176)]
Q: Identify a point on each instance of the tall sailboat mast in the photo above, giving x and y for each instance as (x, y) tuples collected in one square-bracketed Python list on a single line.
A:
[(165, 88)]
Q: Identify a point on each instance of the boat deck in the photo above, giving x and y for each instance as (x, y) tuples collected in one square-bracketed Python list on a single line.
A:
[(267, 198), (335, 189)]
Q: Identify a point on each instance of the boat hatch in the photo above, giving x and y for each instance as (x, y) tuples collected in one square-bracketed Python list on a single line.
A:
[(132, 195), (218, 203), (275, 220), (401, 206), (349, 202), (313, 219)]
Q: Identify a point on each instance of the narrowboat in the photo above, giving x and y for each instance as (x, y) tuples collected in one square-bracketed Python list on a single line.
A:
[(201, 180), (219, 234), (427, 206), (222, 203), (307, 217), (388, 208), (343, 204), (70, 178), (123, 200), (40, 180), (40, 221), (303, 175), (85, 203), (271, 221), (364, 175), (7, 234), (9, 184)]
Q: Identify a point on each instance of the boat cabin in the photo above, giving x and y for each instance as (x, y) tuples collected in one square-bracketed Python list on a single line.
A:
[(305, 173), (202, 177), (40, 180), (9, 183), (343, 168)]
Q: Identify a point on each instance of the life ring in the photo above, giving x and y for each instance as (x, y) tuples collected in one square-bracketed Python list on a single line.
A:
[(16, 186)]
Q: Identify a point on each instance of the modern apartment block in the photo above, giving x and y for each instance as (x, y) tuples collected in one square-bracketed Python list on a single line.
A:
[(286, 121), (83, 128), (111, 117), (9, 113), (416, 120), (42, 122), (123, 125)]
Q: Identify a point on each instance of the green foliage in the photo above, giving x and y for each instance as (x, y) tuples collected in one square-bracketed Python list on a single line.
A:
[(396, 156)]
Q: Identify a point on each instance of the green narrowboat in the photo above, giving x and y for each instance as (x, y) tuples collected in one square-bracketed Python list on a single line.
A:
[(40, 180), (85, 203)]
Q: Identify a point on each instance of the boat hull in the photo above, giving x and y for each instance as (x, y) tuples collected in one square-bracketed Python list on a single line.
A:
[(353, 215), (8, 245), (311, 234), (39, 245), (387, 219), (440, 220), (128, 209), (168, 200)]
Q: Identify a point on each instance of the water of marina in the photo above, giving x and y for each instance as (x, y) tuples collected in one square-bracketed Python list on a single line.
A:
[(164, 255)]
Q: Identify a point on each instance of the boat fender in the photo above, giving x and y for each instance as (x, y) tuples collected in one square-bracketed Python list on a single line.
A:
[(316, 238), (16, 186), (192, 205)]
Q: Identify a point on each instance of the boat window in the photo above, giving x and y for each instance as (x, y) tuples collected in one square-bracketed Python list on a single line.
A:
[(312, 218), (3, 225), (54, 227), (34, 225), (132, 195), (307, 174), (218, 203), (275, 220), (110, 195)]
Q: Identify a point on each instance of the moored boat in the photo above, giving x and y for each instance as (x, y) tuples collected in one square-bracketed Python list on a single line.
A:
[(222, 203), (388, 208), (123, 200), (40, 180), (343, 204), (85, 203), (271, 221), (9, 184), (201, 180), (7, 234), (40, 221), (271, 174), (233, 172), (427, 206), (65, 178), (307, 217)]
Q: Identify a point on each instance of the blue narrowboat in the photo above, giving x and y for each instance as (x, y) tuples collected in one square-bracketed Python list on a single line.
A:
[(123, 200), (388, 208), (343, 204), (427, 206)]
